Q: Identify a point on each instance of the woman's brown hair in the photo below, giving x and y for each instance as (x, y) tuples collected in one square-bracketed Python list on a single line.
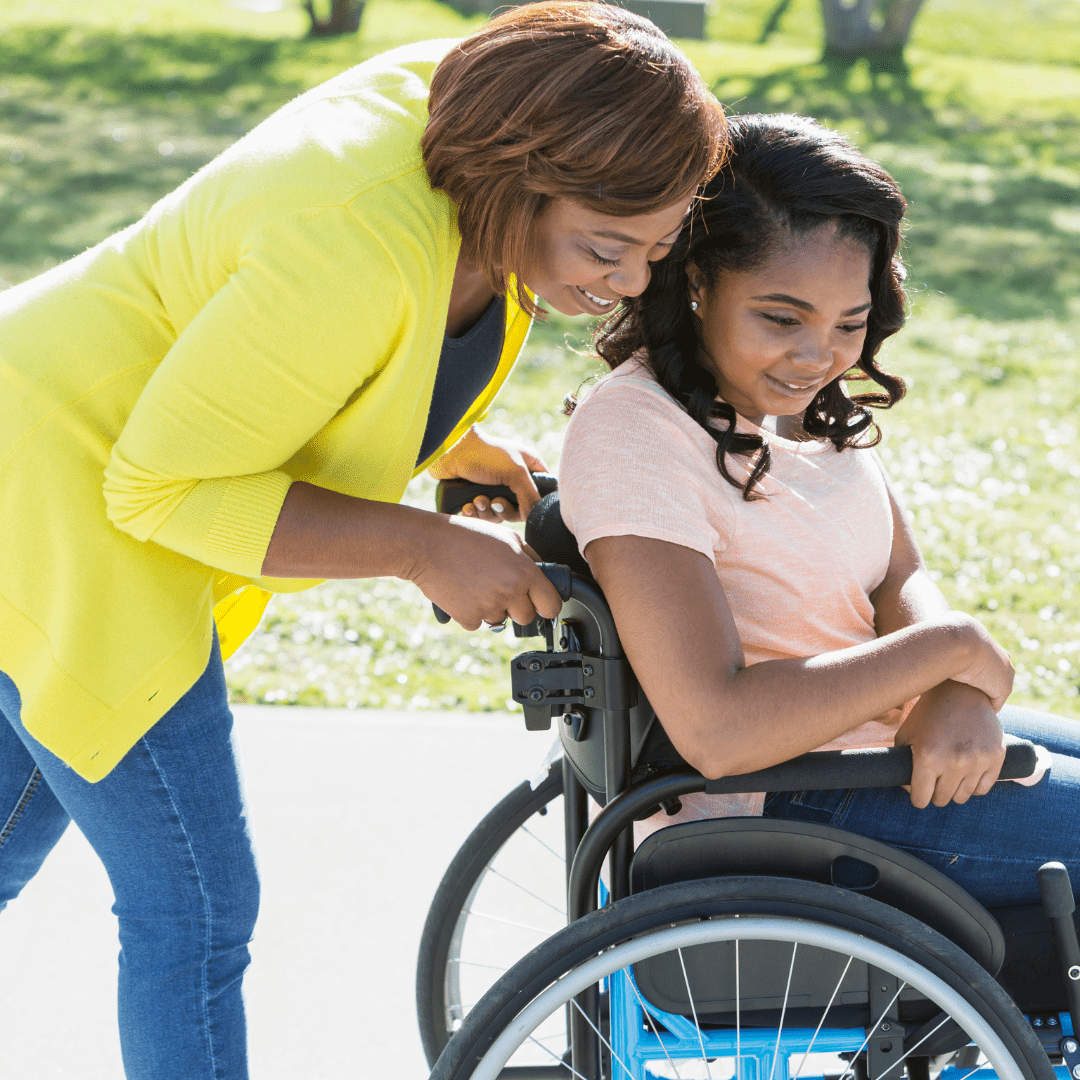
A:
[(564, 99)]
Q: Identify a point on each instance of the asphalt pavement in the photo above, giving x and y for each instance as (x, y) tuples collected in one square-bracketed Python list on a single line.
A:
[(356, 815)]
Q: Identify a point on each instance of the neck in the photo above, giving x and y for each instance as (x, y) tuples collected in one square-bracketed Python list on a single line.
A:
[(469, 297)]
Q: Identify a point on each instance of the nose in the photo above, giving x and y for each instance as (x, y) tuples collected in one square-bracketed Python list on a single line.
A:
[(631, 280), (812, 356)]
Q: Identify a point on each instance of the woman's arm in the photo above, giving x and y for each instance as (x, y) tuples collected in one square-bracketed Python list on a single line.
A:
[(474, 571), (726, 718), (953, 730)]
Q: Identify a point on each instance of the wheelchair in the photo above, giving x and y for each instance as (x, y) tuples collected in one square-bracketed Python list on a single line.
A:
[(732, 949)]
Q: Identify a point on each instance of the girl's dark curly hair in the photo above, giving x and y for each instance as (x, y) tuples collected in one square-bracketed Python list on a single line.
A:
[(786, 177)]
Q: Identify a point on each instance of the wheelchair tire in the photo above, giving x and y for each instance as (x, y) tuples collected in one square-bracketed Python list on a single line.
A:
[(685, 914), (439, 1006)]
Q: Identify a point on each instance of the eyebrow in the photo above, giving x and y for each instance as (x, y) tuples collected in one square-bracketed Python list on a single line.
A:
[(802, 305), (624, 239)]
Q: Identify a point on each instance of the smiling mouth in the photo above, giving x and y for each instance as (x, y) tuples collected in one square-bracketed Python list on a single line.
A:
[(793, 387), (598, 301)]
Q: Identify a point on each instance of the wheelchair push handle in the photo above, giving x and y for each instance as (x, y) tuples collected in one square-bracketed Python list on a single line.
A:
[(452, 495), (556, 573)]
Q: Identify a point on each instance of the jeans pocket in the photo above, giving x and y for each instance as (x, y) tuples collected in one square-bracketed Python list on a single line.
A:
[(823, 807)]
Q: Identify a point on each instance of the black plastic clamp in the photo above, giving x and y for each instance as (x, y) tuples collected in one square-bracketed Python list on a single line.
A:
[(542, 680)]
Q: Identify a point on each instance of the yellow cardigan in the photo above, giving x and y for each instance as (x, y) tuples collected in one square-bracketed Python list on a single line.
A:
[(279, 317)]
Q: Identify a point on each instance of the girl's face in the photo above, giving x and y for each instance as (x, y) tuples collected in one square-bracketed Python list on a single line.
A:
[(773, 337), (583, 262)]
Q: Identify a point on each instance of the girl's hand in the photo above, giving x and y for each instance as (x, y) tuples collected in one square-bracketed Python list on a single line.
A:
[(484, 459), (989, 668), (479, 573), (957, 745)]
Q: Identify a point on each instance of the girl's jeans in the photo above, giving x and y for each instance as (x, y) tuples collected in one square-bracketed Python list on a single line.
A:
[(991, 846), (170, 825)]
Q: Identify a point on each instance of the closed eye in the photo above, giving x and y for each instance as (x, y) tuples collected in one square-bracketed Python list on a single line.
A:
[(853, 328), (601, 260), (780, 320)]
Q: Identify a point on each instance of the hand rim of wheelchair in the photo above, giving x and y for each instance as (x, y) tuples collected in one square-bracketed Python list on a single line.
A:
[(616, 936)]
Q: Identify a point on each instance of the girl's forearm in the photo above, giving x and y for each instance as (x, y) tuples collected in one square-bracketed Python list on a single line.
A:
[(777, 709)]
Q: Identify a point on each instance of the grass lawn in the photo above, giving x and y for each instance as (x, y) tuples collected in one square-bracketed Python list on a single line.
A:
[(106, 106)]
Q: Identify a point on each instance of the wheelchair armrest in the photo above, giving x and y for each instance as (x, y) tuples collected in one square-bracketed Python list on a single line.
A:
[(878, 767)]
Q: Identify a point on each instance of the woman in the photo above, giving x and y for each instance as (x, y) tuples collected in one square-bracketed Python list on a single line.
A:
[(768, 591), (229, 397)]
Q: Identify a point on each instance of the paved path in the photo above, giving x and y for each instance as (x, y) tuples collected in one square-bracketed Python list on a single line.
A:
[(356, 816)]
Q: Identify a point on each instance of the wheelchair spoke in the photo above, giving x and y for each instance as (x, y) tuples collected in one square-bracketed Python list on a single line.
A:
[(509, 922), (693, 1009), (475, 963), (652, 1026), (783, 1009), (738, 1018), (981, 1065), (600, 1036), (870, 1030), (821, 1022), (558, 855), (908, 1053), (528, 892), (551, 1053)]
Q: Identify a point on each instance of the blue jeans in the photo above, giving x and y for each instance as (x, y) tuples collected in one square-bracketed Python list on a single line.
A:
[(170, 825), (991, 846)]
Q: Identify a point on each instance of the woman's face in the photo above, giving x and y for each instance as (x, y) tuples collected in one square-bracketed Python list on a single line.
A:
[(773, 337), (583, 262)]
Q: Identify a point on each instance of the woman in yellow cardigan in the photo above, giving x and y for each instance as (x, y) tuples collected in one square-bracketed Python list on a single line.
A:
[(228, 399)]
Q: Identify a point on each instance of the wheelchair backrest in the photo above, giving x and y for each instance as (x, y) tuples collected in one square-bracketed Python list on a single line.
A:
[(581, 730)]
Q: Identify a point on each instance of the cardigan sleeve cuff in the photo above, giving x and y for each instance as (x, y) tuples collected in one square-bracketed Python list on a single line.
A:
[(227, 523)]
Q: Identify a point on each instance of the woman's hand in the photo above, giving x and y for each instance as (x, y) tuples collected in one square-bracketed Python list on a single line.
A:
[(957, 745), (477, 572), (989, 668), (484, 459)]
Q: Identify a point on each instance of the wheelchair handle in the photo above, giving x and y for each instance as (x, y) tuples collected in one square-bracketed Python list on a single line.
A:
[(452, 495), (556, 573)]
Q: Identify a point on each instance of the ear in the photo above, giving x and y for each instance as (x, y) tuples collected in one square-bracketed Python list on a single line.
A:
[(695, 281)]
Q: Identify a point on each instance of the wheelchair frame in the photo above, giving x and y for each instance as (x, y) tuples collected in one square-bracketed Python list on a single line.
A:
[(583, 681)]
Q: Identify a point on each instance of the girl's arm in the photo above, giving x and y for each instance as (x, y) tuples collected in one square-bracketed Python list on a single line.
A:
[(726, 718), (953, 729)]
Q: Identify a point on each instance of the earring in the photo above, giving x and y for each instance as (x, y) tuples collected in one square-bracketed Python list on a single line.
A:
[(693, 305)]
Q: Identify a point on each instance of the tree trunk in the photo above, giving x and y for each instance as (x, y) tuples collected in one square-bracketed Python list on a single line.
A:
[(867, 27), (344, 18)]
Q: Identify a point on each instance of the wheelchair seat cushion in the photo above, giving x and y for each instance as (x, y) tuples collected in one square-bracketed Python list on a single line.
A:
[(798, 849)]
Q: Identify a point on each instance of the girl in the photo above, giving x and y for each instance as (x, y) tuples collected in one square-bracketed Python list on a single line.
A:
[(236, 390), (768, 591)]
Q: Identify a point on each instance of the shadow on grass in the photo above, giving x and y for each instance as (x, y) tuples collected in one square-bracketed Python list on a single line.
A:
[(97, 125), (992, 217), (124, 65)]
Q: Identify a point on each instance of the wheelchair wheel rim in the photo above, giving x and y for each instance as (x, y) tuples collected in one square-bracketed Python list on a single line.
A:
[(749, 928)]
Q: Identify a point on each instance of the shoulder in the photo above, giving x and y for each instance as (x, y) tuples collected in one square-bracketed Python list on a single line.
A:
[(354, 137), (631, 396)]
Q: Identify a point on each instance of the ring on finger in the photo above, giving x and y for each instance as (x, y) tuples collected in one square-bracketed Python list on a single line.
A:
[(496, 628)]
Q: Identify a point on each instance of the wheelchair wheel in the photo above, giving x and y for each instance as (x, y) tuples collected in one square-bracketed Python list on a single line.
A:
[(706, 934), (503, 893)]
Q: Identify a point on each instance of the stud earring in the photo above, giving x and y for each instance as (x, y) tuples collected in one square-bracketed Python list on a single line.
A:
[(693, 305)]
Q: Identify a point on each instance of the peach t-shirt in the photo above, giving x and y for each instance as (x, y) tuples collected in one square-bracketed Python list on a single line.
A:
[(797, 567)]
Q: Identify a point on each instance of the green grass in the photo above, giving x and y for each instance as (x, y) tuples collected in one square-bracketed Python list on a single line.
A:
[(104, 107)]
